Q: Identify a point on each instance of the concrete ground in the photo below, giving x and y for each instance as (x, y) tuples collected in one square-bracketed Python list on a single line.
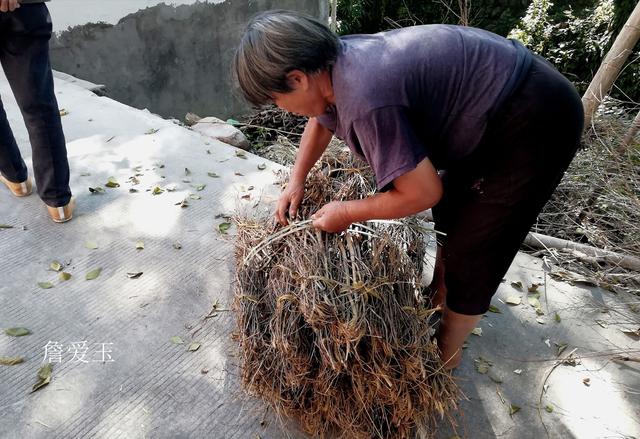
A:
[(120, 371)]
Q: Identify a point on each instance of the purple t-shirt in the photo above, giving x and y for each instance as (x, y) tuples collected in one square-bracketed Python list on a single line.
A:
[(422, 91)]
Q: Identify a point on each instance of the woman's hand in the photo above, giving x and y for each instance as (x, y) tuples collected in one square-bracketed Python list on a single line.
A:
[(289, 201), (313, 143), (332, 217)]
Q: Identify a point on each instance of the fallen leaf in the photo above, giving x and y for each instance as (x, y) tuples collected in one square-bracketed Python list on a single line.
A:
[(176, 340), (477, 331), (17, 332), (139, 245), (157, 190), (233, 122), (586, 381), (560, 347), (517, 285), (45, 285), (177, 246), (540, 320), (213, 175), (152, 131), (549, 408), (112, 183), (187, 172), (240, 174), (513, 409), (513, 300), (194, 346), (602, 323), (93, 274), (547, 342), (184, 203), (482, 365), (96, 190), (557, 318), (241, 154), (133, 190), (44, 377), (495, 309), (533, 288), (571, 361), (5, 226), (91, 245), (518, 371), (85, 174), (11, 361), (171, 187), (195, 197), (262, 166), (64, 276), (573, 278), (64, 112), (631, 333), (534, 302), (200, 187), (56, 266), (134, 275), (223, 227)]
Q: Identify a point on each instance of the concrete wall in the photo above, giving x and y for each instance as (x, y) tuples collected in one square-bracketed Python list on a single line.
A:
[(70, 13), (171, 60)]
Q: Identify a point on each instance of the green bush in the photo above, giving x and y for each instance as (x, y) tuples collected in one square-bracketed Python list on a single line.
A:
[(370, 16), (576, 41)]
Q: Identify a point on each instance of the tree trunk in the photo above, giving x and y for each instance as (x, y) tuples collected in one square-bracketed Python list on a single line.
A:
[(334, 15), (633, 130), (610, 68)]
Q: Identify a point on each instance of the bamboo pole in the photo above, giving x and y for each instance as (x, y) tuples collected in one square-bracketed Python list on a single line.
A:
[(610, 68), (334, 15)]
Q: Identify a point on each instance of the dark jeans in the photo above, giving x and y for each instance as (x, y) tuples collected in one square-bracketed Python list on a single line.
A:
[(492, 198), (24, 55)]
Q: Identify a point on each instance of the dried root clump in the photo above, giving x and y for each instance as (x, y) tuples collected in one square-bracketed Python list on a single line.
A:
[(332, 328)]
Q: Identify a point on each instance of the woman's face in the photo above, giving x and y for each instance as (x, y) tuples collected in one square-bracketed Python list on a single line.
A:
[(306, 97)]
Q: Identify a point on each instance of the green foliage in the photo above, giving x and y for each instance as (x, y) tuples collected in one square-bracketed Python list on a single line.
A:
[(576, 40), (370, 16)]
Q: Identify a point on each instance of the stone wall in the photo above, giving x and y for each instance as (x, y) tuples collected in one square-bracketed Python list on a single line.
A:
[(171, 60)]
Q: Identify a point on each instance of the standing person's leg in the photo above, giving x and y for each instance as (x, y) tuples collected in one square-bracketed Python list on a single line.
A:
[(13, 170), (523, 158), (25, 58)]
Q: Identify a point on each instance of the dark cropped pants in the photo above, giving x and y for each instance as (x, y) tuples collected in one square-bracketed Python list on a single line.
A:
[(492, 198), (24, 55)]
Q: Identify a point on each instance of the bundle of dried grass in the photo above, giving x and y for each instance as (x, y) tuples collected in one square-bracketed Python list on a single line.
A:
[(332, 329)]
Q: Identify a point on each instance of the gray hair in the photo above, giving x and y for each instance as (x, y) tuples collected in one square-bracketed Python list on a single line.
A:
[(275, 43)]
